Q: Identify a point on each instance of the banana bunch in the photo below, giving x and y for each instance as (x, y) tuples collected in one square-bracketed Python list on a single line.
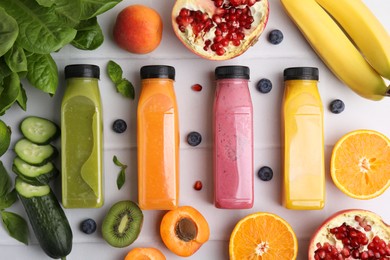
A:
[(350, 41)]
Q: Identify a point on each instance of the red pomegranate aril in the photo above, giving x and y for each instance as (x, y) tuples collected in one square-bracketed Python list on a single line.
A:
[(225, 42), (220, 51), (236, 42), (367, 228), (345, 252), (217, 19), (355, 254), (251, 2), (184, 12)]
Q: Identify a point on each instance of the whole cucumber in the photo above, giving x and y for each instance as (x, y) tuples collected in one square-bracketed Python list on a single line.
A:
[(47, 219)]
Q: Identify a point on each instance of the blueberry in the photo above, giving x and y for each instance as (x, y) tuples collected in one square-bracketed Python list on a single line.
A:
[(88, 226), (275, 37), (264, 86), (194, 138), (119, 126), (265, 173), (336, 106)]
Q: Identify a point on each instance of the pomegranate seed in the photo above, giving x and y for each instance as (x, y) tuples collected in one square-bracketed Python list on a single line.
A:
[(196, 87), (220, 51), (367, 228), (198, 185), (184, 12), (217, 19)]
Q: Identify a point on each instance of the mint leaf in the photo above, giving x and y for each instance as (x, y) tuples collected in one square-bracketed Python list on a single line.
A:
[(114, 71), (15, 226), (121, 179), (125, 88), (122, 174)]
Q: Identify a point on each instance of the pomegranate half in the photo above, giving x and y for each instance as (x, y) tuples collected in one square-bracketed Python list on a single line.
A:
[(219, 29), (351, 234)]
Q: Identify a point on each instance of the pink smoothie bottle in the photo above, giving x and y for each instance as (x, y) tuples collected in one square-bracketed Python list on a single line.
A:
[(233, 139)]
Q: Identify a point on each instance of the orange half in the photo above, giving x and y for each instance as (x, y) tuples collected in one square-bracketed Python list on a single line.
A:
[(263, 236), (360, 164)]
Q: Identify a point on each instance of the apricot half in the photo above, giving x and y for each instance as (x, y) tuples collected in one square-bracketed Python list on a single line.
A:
[(184, 230), (142, 253)]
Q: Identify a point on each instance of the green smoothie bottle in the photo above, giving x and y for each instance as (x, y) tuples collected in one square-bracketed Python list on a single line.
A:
[(82, 138)]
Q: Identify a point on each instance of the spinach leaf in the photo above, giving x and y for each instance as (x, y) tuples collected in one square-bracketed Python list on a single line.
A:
[(16, 59), (5, 181), (8, 199), (16, 226), (42, 72), (4, 70), (115, 72), (9, 31), (46, 3), (92, 8), (10, 92), (40, 30), (68, 11), (89, 35), (22, 98)]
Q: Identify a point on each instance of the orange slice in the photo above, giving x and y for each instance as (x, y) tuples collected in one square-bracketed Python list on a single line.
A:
[(264, 236), (360, 164)]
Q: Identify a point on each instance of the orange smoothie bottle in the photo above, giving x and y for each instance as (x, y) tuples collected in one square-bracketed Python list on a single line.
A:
[(158, 139), (303, 140)]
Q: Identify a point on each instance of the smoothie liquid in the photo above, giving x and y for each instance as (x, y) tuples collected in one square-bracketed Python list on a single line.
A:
[(303, 140), (158, 140), (233, 139), (81, 138)]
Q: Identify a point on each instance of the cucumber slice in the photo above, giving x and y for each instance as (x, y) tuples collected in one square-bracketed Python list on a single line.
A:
[(34, 154), (39, 130), (35, 175), (28, 191)]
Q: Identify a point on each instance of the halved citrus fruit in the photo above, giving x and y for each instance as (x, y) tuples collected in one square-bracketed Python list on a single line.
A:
[(263, 236), (360, 164)]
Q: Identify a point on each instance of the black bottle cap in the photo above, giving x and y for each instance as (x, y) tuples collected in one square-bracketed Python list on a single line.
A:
[(305, 73), (157, 71), (232, 72), (82, 71)]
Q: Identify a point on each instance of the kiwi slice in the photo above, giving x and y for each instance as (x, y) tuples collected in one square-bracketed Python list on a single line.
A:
[(122, 224)]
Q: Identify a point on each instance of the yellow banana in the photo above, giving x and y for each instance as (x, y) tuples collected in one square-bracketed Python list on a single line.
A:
[(365, 30), (335, 49)]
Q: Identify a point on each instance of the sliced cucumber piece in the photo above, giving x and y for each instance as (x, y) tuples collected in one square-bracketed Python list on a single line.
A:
[(39, 130), (34, 154), (28, 191), (36, 175)]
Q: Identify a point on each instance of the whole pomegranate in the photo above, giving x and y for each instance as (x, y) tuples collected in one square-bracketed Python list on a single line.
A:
[(351, 234), (219, 29)]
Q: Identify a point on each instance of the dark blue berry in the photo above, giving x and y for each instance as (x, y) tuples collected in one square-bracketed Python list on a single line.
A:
[(119, 126), (264, 86), (265, 173), (194, 138), (275, 37), (88, 226), (336, 106)]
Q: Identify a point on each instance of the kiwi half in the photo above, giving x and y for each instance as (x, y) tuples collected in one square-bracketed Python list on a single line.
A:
[(122, 224)]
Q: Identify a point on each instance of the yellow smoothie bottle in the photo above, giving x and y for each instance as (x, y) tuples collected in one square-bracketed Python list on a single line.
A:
[(302, 140), (158, 139), (82, 138)]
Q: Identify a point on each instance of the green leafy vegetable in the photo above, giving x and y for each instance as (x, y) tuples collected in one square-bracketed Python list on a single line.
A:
[(8, 199), (121, 179), (5, 181), (89, 35), (39, 29), (42, 72), (92, 8), (15, 225), (30, 30), (123, 86), (9, 31), (16, 59), (10, 92)]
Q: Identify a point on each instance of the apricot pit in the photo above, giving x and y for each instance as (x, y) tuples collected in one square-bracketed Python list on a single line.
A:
[(184, 230)]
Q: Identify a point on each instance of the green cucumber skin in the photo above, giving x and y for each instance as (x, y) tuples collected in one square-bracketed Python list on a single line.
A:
[(50, 225), (42, 179)]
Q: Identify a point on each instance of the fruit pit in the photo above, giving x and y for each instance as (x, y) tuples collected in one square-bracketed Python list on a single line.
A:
[(229, 24)]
